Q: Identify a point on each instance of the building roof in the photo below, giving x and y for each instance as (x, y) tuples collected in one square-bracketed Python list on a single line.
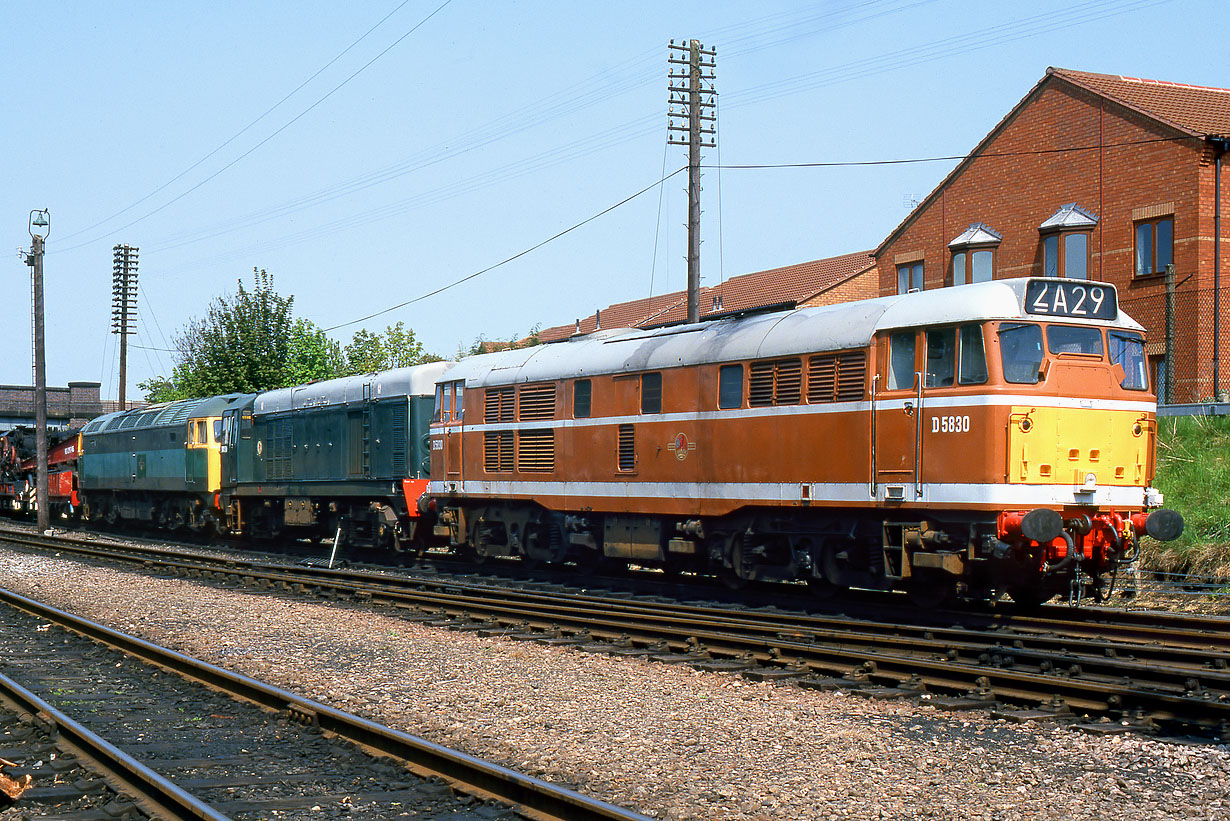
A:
[(1202, 111), (788, 285), (1198, 111)]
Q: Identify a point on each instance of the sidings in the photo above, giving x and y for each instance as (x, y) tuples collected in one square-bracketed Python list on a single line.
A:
[(498, 404), (536, 402), (775, 382), (627, 447), (498, 451), (836, 377), (536, 451)]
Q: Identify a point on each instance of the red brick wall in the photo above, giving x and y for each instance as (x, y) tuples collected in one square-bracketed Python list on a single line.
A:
[(1014, 194)]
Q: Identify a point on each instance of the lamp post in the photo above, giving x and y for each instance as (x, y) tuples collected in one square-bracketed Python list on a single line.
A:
[(40, 227)]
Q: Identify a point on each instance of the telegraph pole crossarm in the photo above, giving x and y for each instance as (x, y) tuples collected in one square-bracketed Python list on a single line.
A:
[(698, 104)]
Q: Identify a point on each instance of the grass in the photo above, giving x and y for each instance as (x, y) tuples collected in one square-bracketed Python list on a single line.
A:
[(1193, 471)]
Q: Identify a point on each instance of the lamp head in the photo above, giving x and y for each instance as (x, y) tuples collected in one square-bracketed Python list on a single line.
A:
[(40, 223)]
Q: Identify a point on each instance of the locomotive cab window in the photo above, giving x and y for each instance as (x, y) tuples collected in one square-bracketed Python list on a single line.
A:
[(730, 386), (437, 414), (1069, 339), (1020, 347), (901, 360), (651, 393), (582, 397), (1127, 350), (973, 356), (217, 430), (941, 368), (450, 397), (245, 425)]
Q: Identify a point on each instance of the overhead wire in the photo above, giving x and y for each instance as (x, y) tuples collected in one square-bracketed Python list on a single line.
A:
[(597, 88), (278, 131), (507, 260), (897, 59), (243, 130), (1089, 11)]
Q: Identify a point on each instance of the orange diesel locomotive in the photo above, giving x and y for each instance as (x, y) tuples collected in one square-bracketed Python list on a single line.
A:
[(995, 436)]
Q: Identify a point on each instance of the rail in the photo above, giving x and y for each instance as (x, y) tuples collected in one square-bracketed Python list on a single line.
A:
[(534, 797)]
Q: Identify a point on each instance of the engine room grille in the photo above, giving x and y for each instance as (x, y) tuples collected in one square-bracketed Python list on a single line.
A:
[(536, 451), (498, 451), (776, 382), (627, 447), (280, 450), (498, 405), (536, 402), (834, 377), (399, 445)]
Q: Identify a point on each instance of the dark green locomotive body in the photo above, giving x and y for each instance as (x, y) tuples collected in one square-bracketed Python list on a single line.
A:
[(339, 454)]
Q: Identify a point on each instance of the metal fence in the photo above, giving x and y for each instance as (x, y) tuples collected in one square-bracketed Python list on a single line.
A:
[(1188, 349)]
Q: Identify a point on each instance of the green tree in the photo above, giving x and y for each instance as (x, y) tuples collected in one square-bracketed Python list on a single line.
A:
[(484, 345), (396, 347), (313, 355), (247, 342)]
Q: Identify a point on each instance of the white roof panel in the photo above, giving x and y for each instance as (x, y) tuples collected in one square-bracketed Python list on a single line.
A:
[(787, 333)]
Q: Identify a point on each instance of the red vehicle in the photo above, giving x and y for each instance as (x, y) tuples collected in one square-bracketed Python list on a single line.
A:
[(18, 469)]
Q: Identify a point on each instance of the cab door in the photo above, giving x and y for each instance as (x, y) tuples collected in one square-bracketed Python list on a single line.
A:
[(896, 417), (452, 416), (230, 423)]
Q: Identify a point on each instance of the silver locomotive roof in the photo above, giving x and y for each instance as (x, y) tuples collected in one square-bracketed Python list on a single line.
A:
[(789, 333), (416, 380), (166, 414)]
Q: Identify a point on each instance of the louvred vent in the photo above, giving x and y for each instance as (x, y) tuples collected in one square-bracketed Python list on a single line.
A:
[(498, 404), (536, 451), (536, 402)]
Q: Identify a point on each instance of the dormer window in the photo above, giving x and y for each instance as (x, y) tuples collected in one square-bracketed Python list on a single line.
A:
[(1065, 242), (973, 254)]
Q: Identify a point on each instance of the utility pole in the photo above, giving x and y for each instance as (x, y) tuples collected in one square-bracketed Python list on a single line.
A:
[(40, 227), (688, 63), (124, 306)]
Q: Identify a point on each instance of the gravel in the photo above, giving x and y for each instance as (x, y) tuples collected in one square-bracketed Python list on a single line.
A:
[(670, 742)]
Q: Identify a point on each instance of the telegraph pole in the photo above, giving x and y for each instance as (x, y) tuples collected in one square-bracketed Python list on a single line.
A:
[(40, 227), (124, 306), (688, 63)]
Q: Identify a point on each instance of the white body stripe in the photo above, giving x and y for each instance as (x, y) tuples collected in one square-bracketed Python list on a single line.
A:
[(986, 400), (999, 496)]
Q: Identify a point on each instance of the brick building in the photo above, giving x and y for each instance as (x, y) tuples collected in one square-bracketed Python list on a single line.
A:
[(1098, 177), (819, 282), (69, 407)]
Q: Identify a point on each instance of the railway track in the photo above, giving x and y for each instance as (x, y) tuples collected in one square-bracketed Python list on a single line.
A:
[(1154, 673), (108, 725)]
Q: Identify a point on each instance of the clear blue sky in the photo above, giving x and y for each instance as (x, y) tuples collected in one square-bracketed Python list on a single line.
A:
[(421, 156)]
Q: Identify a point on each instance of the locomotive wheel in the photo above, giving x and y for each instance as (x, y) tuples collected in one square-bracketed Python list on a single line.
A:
[(545, 543), (1027, 598), (928, 589), (733, 573), (820, 587)]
